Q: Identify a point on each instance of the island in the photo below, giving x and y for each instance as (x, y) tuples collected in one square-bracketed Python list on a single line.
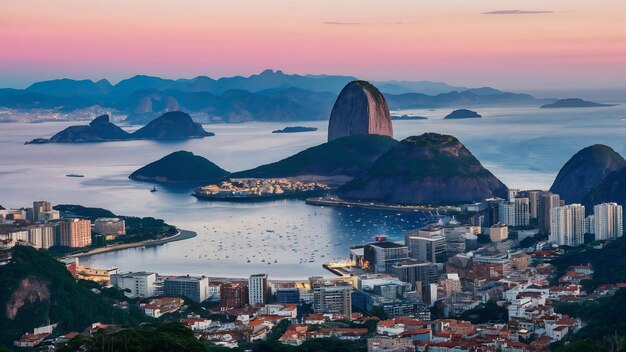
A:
[(574, 103), (171, 125), (259, 189), (462, 114), (407, 117), (296, 129), (180, 167)]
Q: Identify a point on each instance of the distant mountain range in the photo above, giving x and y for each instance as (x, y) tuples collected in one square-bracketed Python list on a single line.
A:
[(268, 96)]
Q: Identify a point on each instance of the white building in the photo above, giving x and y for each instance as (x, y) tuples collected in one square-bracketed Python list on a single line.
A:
[(257, 289), (608, 221), (139, 284), (590, 224), (567, 225)]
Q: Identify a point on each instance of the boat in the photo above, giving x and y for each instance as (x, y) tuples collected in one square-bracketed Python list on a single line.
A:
[(153, 189), (74, 175)]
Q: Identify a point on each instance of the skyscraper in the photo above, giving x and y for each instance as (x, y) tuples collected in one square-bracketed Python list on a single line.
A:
[(546, 201), (75, 233), (608, 223), (568, 225), (257, 289)]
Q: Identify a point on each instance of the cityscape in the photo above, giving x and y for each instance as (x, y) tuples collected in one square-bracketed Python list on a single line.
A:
[(285, 176)]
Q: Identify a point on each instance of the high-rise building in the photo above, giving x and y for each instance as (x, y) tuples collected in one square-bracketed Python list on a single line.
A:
[(41, 236), (378, 257), (194, 288), (608, 223), (39, 208), (568, 225), (506, 213), (257, 289), (332, 298), (590, 224), (522, 211), (419, 273), (546, 201), (75, 233), (427, 244), (137, 284), (233, 295)]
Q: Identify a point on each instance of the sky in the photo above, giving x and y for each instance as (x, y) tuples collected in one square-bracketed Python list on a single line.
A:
[(512, 44)]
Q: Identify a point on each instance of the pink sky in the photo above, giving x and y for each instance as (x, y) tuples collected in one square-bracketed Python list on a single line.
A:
[(551, 44)]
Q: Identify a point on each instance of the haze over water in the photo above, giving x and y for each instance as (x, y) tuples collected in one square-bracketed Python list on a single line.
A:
[(524, 147)]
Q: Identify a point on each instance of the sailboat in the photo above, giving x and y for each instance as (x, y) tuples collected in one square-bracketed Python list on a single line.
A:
[(153, 189)]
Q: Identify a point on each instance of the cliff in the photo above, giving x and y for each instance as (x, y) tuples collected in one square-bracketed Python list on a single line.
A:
[(584, 171), (337, 161), (427, 169), (36, 290), (359, 109), (180, 167)]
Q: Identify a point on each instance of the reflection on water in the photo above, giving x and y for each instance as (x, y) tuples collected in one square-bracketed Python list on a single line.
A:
[(524, 147)]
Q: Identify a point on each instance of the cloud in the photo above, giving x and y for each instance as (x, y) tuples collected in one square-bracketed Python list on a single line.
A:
[(516, 12), (336, 23)]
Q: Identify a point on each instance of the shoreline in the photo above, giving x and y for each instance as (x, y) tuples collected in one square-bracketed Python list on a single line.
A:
[(336, 202), (180, 236)]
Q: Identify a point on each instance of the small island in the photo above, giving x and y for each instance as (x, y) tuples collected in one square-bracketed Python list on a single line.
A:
[(171, 125), (259, 189), (180, 167), (296, 129), (462, 114), (574, 103), (407, 117)]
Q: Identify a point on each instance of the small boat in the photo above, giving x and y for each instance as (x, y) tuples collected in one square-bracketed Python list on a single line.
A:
[(153, 189), (74, 175)]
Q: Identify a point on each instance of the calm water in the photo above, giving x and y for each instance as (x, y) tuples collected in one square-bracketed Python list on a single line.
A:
[(524, 147)]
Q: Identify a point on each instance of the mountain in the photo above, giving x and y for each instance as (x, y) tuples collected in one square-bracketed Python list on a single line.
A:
[(360, 108), (333, 162), (462, 114), (36, 289), (573, 103), (180, 167), (423, 87), (612, 188), (584, 171), (296, 129), (65, 88), (456, 98), (171, 125), (427, 169)]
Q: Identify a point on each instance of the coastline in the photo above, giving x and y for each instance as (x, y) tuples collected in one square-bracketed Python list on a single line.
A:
[(336, 202), (180, 236)]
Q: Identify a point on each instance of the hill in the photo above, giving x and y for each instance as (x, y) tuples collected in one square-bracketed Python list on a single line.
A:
[(584, 171), (462, 114), (427, 169), (335, 162), (573, 103), (180, 167), (171, 125), (612, 188), (36, 289)]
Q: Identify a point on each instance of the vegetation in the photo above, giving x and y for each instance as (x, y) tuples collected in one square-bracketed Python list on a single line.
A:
[(605, 326), (48, 293), (180, 167), (609, 263), (348, 156), (486, 312)]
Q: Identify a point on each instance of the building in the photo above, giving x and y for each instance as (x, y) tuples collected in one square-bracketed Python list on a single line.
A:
[(233, 295), (257, 289), (287, 295), (109, 226), (498, 232), (427, 244), (546, 201), (136, 284), (379, 257), (608, 223), (194, 288), (419, 273), (332, 298), (568, 225), (590, 224), (41, 236), (75, 233), (39, 209)]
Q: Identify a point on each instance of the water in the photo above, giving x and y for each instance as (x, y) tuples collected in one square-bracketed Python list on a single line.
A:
[(524, 147)]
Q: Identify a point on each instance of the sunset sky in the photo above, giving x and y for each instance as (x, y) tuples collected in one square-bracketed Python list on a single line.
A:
[(513, 44)]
